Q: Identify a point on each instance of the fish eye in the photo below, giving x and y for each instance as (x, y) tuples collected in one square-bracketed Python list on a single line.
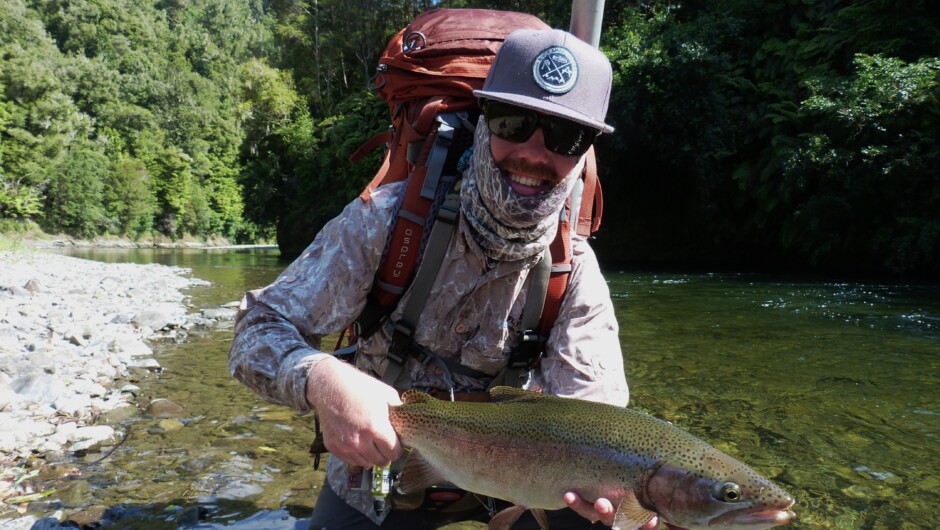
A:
[(729, 492)]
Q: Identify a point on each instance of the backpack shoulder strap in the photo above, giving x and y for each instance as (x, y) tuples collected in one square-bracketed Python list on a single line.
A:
[(403, 331), (531, 340)]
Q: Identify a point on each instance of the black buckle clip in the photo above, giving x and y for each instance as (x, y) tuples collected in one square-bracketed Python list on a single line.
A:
[(524, 354), (401, 342)]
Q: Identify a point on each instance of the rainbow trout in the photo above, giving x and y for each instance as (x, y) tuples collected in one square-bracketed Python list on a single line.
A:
[(530, 449)]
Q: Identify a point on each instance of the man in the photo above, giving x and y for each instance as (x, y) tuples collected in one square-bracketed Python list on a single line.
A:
[(544, 101)]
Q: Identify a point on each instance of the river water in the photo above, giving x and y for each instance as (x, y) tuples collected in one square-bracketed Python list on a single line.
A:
[(829, 388)]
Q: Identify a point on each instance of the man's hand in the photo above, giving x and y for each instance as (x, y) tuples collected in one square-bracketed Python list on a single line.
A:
[(353, 410), (602, 510)]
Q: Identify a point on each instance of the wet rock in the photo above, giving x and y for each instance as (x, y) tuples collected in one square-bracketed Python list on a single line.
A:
[(169, 424), (220, 313), (161, 316), (31, 522), (74, 493), (130, 345), (88, 518), (164, 408), (145, 365), (118, 414)]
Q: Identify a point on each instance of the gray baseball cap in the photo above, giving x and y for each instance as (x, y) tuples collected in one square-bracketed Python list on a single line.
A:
[(553, 72)]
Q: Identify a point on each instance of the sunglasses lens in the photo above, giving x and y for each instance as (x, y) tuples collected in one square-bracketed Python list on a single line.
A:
[(568, 138), (516, 124), (510, 123)]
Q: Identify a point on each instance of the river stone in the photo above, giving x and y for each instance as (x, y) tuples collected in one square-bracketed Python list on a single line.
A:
[(145, 364), (75, 493), (92, 438), (7, 395), (219, 313), (161, 316), (164, 408), (131, 346), (8, 334), (33, 286), (88, 518), (16, 290), (118, 414), (38, 388), (170, 424), (7, 442), (72, 405)]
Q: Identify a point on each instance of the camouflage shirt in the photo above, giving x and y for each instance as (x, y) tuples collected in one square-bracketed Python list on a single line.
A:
[(472, 317)]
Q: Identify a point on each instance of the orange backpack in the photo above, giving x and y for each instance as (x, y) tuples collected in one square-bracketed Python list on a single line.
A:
[(427, 75)]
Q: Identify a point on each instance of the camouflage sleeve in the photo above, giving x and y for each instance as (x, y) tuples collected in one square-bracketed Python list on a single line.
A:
[(583, 357), (278, 328)]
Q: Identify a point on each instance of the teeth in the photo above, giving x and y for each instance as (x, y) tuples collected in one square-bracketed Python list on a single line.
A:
[(525, 181)]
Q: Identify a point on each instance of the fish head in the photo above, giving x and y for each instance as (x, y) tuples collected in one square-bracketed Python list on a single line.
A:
[(714, 490)]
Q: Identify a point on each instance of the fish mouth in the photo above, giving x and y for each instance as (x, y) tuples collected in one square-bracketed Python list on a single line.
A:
[(765, 519)]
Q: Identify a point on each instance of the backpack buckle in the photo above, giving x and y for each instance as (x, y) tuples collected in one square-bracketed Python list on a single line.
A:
[(401, 341), (525, 353)]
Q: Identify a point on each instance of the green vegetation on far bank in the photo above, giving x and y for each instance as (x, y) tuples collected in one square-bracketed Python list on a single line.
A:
[(785, 134)]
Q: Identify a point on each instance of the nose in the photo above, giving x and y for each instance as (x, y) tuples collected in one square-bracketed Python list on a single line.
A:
[(533, 149)]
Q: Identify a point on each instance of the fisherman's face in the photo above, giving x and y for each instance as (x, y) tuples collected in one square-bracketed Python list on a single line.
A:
[(534, 151), (529, 166)]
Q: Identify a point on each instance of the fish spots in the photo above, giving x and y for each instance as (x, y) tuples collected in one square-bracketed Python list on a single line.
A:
[(605, 447)]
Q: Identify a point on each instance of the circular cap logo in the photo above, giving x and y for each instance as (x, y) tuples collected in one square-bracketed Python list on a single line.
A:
[(555, 70)]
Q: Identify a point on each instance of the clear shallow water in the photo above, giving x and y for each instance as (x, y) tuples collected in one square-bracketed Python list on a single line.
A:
[(829, 388)]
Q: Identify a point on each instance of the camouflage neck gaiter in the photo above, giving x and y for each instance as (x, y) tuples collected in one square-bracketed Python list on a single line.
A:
[(506, 225)]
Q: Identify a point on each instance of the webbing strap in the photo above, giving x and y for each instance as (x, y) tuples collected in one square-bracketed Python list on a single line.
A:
[(438, 155), (530, 344), (403, 331)]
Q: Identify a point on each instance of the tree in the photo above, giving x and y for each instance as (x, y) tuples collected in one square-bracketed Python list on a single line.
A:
[(74, 200), (128, 197)]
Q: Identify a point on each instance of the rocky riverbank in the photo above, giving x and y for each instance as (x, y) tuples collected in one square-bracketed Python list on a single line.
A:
[(74, 336)]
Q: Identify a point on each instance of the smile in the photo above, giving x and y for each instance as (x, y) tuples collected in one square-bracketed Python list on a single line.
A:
[(525, 181)]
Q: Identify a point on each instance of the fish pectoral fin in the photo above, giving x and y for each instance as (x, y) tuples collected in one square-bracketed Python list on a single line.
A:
[(630, 514), (540, 518), (508, 517), (418, 474), (504, 394)]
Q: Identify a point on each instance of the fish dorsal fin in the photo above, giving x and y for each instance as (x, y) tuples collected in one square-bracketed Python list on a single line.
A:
[(414, 396), (504, 394), (630, 514), (418, 474)]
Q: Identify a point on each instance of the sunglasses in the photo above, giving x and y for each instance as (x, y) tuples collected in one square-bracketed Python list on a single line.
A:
[(517, 124)]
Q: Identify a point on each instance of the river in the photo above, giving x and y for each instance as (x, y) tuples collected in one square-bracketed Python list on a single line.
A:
[(830, 388)]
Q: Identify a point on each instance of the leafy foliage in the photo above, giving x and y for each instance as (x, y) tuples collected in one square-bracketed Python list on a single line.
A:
[(785, 133), (782, 133), (145, 89)]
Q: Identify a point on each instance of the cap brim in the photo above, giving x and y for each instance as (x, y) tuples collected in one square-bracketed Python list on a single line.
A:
[(544, 106)]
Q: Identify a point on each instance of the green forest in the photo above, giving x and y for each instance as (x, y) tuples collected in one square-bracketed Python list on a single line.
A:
[(772, 135)]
